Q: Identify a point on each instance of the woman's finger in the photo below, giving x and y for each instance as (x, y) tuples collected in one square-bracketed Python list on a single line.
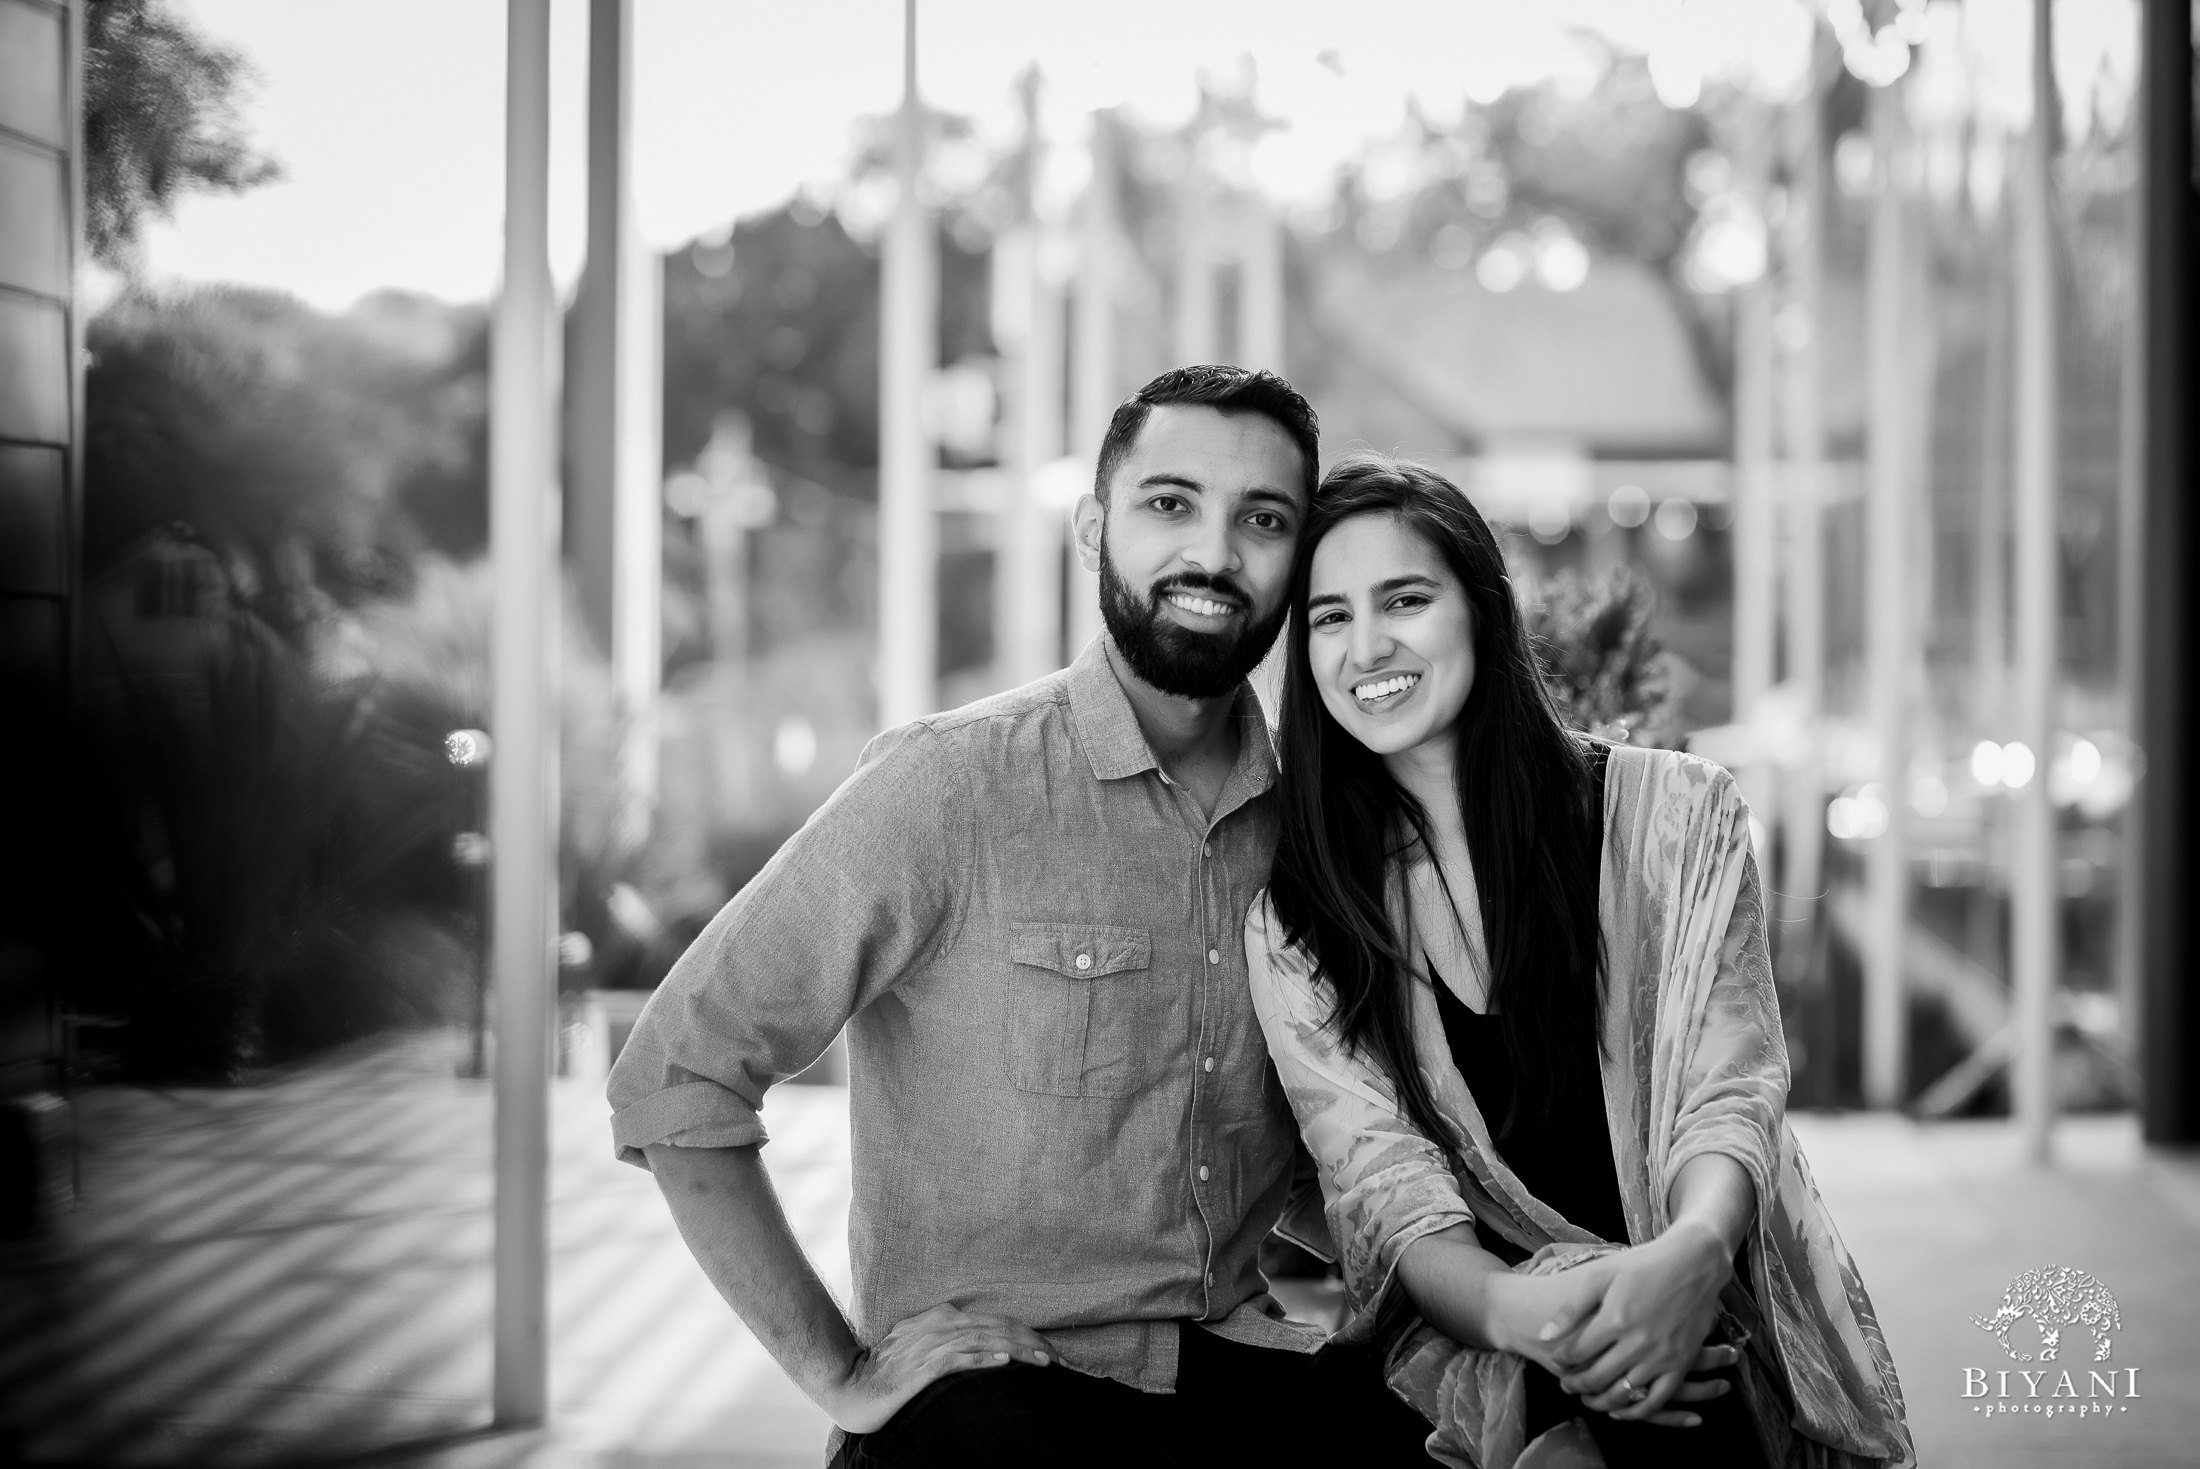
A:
[(1566, 1318), (1597, 1374), (1702, 1389), (1596, 1335), (1715, 1357), (1661, 1391)]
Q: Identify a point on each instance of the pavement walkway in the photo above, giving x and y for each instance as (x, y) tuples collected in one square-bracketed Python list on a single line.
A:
[(297, 1273)]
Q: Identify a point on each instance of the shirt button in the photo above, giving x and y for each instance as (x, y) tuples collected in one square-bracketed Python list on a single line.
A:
[(1202, 1173), (1084, 961), (1210, 1277), (1214, 956), (1206, 849), (1210, 1063)]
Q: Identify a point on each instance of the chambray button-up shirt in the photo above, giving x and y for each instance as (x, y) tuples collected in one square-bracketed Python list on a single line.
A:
[(1061, 1102)]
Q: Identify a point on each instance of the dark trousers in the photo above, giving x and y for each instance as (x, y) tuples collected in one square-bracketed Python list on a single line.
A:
[(1726, 1439), (1233, 1404)]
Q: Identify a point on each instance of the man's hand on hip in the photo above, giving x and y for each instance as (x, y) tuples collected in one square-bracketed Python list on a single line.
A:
[(920, 1350)]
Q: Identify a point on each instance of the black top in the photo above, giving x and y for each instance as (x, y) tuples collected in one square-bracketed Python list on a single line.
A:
[(1563, 1157)]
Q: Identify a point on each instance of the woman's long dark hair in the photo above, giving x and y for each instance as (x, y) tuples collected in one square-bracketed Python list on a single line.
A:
[(1525, 791)]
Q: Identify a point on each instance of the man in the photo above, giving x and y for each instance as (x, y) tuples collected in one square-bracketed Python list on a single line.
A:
[(1068, 1142)]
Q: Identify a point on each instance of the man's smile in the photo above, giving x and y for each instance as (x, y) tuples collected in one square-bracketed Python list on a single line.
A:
[(1197, 605)]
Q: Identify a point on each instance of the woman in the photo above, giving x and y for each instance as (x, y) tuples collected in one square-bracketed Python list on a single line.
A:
[(1516, 986)]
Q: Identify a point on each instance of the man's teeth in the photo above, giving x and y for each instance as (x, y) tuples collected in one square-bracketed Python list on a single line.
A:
[(1370, 692), (1199, 605)]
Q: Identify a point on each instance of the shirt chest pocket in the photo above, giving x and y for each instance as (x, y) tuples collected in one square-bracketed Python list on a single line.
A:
[(1081, 1010)]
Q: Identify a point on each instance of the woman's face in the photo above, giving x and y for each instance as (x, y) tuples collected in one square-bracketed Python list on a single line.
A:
[(1390, 635)]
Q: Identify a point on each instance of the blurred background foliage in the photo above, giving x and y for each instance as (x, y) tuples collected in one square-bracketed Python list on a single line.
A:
[(287, 517)]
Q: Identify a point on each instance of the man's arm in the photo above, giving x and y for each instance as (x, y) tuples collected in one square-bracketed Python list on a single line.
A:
[(728, 1213)]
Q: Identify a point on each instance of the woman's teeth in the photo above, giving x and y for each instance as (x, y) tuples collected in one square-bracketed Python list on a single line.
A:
[(1371, 693), (1199, 605)]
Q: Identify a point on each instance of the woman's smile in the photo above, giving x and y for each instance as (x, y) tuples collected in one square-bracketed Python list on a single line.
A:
[(1379, 695)]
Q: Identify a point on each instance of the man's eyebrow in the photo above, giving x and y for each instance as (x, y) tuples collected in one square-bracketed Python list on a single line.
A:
[(1180, 481), (1266, 495)]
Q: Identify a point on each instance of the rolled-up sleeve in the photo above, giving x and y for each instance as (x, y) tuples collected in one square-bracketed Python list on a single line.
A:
[(870, 890), (1384, 1183)]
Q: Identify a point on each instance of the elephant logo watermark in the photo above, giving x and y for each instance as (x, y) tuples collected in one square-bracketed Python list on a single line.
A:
[(2055, 1298)]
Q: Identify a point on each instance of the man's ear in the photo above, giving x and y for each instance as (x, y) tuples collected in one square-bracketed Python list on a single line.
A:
[(1090, 524)]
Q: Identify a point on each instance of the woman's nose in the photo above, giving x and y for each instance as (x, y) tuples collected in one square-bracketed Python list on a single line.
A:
[(1370, 643)]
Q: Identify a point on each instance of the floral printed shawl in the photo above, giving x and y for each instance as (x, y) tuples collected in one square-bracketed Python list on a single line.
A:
[(1693, 1062)]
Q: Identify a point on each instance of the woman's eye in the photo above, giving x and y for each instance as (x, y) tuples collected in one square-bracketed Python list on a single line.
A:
[(1328, 619), (1410, 602)]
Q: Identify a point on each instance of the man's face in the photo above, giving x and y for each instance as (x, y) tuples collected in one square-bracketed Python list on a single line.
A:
[(1194, 546)]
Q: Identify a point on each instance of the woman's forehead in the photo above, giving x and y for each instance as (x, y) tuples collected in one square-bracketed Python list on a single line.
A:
[(1371, 548)]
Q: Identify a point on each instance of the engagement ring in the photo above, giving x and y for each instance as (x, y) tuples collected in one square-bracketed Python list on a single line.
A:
[(1634, 1394)]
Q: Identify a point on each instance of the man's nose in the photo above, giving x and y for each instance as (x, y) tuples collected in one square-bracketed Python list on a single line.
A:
[(1212, 548)]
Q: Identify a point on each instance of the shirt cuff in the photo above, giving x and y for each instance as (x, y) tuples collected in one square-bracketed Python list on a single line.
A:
[(695, 1114)]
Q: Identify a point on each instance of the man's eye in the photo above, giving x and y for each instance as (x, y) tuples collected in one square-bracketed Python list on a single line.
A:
[(1267, 520), (1166, 504)]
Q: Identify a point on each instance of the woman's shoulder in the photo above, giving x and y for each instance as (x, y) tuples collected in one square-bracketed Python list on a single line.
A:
[(1670, 772), (1273, 962), (1264, 933)]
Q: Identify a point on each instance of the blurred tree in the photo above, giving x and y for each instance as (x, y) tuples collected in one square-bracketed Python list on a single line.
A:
[(317, 450), (1606, 670), (777, 319), (1610, 162), (160, 119)]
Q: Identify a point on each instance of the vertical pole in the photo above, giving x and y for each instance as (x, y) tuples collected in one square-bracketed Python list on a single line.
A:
[(613, 525), (2034, 887), (1028, 604), (637, 642), (1803, 608), (908, 532), (523, 774), (1755, 542), (2162, 852), (1261, 289), (1092, 365), (1987, 938), (1888, 624)]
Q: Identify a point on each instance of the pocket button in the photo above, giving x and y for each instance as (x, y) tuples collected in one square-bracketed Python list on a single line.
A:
[(1084, 961)]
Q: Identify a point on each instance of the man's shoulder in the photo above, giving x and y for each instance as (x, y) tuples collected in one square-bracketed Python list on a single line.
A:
[(979, 729), (1041, 699)]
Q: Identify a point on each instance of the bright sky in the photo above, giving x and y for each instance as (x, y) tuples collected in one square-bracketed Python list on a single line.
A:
[(387, 115)]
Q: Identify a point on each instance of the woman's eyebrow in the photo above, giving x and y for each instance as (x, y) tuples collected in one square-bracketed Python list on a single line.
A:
[(1325, 599)]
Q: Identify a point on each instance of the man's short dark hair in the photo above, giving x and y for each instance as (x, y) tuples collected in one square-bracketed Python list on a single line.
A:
[(1225, 389)]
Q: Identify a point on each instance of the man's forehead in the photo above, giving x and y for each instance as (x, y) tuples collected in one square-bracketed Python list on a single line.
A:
[(1223, 451)]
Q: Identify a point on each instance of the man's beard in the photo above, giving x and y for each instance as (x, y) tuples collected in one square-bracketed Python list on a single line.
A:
[(1178, 660)]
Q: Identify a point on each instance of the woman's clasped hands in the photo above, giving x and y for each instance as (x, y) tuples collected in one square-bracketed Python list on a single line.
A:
[(1625, 1332)]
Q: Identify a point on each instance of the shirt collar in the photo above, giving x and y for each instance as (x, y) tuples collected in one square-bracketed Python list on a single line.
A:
[(1108, 728)]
